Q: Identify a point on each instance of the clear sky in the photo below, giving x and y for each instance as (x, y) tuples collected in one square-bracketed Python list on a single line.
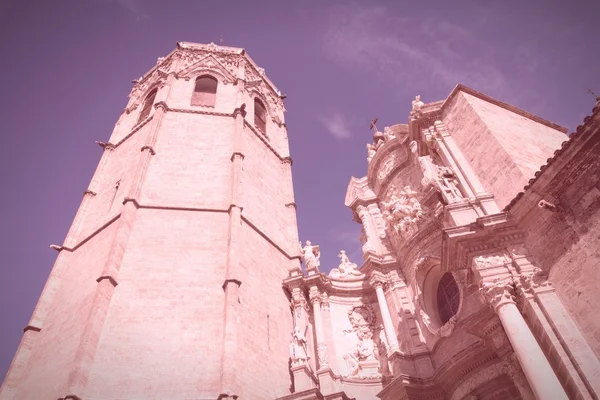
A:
[(68, 67)]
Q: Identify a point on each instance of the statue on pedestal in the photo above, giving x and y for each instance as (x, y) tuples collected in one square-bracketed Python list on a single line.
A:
[(310, 255), (346, 268)]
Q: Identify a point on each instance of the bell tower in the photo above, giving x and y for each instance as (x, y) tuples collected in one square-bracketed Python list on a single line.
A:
[(168, 284)]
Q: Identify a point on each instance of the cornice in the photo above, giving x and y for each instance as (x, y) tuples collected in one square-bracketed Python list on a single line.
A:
[(486, 234), (465, 89), (163, 105), (175, 208), (226, 50)]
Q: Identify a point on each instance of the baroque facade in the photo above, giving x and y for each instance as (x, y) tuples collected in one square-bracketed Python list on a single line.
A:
[(181, 276)]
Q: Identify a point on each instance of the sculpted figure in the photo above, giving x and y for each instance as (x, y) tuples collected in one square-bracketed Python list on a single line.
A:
[(449, 184), (310, 255), (298, 348), (417, 104), (346, 268)]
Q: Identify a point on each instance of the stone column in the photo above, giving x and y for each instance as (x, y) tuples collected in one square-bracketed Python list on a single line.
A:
[(377, 281), (499, 294), (315, 299)]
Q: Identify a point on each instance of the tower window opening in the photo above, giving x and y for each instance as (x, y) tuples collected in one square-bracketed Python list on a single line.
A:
[(448, 297), (147, 108), (205, 91), (260, 116)]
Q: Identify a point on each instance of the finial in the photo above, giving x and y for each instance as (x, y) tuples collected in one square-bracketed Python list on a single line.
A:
[(221, 40)]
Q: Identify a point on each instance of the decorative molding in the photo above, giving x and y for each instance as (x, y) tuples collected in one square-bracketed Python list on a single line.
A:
[(314, 295)]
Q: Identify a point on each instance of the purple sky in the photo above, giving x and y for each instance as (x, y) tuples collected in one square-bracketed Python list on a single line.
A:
[(68, 66)]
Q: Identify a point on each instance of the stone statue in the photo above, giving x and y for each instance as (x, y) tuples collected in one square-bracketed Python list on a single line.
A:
[(311, 256), (298, 348), (417, 104), (346, 268), (448, 183)]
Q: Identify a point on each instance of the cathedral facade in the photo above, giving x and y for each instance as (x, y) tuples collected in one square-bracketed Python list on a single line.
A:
[(182, 274)]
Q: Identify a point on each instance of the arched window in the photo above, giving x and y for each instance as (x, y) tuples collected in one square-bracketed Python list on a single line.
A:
[(448, 297), (147, 108), (260, 116), (205, 91)]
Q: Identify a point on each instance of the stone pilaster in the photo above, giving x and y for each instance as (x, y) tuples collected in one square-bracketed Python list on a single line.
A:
[(497, 288), (316, 299), (550, 319)]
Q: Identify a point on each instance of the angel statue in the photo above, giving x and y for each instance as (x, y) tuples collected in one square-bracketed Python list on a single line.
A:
[(310, 255)]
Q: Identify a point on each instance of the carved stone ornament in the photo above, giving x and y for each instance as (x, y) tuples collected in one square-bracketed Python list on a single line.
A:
[(387, 166), (403, 212), (323, 355), (298, 302), (298, 348), (497, 293), (388, 133), (361, 360), (533, 279), (314, 295), (482, 262), (371, 151), (325, 301), (346, 269)]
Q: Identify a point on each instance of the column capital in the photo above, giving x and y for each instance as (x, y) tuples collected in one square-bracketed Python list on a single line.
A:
[(314, 295), (497, 293), (377, 279), (532, 280), (325, 301), (298, 301)]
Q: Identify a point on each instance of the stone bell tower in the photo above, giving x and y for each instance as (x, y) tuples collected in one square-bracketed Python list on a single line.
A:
[(168, 284)]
